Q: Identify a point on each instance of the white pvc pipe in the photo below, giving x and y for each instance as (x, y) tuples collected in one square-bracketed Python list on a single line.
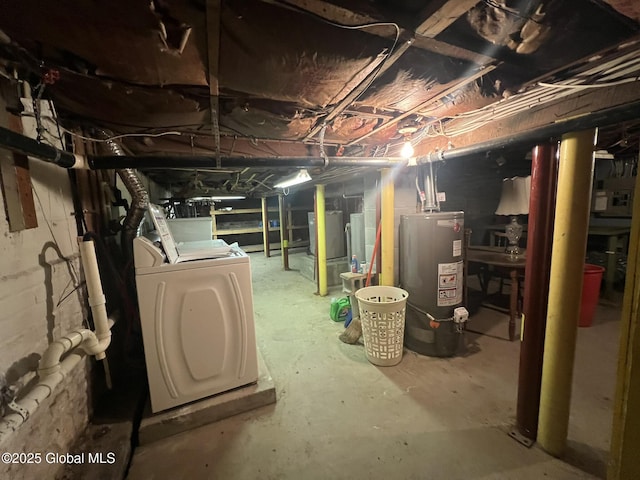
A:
[(30, 402), (51, 370), (97, 301), (83, 338)]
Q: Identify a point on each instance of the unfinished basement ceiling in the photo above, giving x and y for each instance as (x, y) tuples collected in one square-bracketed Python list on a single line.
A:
[(292, 78)]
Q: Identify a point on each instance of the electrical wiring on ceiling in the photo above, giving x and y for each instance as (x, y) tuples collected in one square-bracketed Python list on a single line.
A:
[(123, 135), (388, 54), (607, 74)]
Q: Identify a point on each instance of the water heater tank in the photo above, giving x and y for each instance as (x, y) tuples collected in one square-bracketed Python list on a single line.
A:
[(431, 270)]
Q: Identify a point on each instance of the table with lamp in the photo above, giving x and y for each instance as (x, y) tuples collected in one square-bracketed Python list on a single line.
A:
[(509, 261)]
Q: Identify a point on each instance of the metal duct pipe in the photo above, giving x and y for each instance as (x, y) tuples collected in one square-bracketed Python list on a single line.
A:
[(430, 202), (190, 161), (139, 200)]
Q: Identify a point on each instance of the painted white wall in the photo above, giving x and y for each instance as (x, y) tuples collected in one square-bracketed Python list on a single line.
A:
[(40, 300)]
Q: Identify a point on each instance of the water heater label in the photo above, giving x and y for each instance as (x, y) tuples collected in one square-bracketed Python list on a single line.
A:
[(456, 223), (449, 284), (457, 248)]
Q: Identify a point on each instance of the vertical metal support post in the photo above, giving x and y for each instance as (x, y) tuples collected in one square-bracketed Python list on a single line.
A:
[(625, 435), (265, 228), (575, 174), (544, 175), (387, 236), (284, 232), (321, 244)]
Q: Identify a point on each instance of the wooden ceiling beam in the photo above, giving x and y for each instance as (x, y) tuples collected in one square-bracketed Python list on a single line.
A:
[(435, 18), (333, 13), (446, 49), (440, 14), (448, 91), (360, 88), (424, 32), (213, 54)]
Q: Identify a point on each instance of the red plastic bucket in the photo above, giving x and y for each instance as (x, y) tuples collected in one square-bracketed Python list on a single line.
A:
[(590, 293)]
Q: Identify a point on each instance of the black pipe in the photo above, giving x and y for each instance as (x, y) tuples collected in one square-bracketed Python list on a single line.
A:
[(601, 118), (19, 143), (189, 161), (22, 144)]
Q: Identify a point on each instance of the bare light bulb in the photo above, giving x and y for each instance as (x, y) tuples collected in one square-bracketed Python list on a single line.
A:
[(407, 150)]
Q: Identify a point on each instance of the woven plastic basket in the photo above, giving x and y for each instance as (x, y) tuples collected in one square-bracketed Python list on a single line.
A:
[(382, 312)]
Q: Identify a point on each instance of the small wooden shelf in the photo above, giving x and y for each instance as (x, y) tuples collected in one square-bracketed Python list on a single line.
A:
[(244, 221), (240, 231), (274, 246), (239, 211)]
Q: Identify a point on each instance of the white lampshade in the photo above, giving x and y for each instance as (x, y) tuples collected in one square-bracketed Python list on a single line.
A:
[(515, 196)]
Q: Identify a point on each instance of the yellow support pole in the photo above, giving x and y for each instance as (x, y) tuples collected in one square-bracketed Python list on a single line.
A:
[(284, 233), (625, 436), (265, 228), (321, 246), (387, 237), (571, 227)]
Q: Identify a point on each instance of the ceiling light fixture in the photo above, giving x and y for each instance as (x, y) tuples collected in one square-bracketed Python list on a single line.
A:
[(299, 177), (407, 148)]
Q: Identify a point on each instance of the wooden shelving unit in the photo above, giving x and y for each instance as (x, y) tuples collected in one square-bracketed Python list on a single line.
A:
[(255, 215)]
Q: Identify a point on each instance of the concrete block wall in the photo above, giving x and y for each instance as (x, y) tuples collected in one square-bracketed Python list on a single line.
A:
[(42, 298)]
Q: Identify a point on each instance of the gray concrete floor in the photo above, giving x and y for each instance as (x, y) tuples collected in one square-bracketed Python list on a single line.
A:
[(338, 416)]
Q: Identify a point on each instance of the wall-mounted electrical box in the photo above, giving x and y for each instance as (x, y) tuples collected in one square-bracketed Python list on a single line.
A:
[(613, 197)]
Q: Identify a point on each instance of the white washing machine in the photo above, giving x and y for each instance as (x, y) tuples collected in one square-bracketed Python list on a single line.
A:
[(197, 322)]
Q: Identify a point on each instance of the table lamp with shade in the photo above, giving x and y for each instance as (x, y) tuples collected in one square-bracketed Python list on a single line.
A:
[(514, 201)]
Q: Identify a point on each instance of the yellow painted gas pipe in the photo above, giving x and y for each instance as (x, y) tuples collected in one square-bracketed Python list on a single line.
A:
[(387, 237), (321, 246), (571, 227)]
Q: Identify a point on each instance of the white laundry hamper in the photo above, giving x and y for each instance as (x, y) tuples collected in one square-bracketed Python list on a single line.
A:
[(382, 312)]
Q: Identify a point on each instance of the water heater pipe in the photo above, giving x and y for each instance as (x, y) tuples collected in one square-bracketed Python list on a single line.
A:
[(430, 201)]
